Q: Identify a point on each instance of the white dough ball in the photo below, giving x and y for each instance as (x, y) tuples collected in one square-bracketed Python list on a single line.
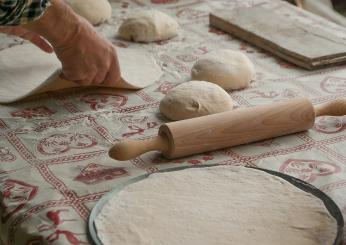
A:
[(148, 26), (95, 11), (230, 69), (195, 99)]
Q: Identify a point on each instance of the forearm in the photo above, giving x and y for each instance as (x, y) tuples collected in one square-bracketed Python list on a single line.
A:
[(58, 24)]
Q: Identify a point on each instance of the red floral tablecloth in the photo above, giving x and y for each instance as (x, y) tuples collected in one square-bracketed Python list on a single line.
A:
[(54, 165)]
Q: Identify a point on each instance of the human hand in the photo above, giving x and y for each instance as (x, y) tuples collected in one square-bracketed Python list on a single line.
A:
[(86, 58), (28, 35)]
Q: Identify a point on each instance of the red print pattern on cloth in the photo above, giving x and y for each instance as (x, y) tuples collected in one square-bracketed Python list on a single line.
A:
[(6, 155), (158, 159), (165, 87), (285, 94), (267, 143), (308, 170), (187, 57), (69, 155), (216, 31), (192, 56), (333, 85), (192, 14), (134, 129), (102, 101), (54, 230), (15, 195), (330, 125), (40, 111), (61, 143), (133, 119), (95, 173), (164, 1)]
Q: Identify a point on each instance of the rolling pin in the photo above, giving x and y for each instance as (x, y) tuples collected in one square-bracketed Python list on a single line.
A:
[(231, 128)]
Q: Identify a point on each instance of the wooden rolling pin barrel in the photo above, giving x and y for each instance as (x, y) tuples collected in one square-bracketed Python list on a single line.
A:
[(232, 128)]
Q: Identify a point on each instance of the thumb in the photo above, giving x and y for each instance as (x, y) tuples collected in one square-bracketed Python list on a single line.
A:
[(39, 42), (28, 35)]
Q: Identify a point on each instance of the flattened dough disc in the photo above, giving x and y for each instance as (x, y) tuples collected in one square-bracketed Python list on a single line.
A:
[(219, 205), (26, 70)]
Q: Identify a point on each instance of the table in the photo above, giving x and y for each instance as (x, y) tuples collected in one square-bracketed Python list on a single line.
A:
[(54, 165)]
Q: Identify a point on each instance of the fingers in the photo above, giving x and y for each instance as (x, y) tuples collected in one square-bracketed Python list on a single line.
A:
[(38, 41), (9, 30), (117, 70), (28, 35), (85, 79), (85, 82), (82, 81), (113, 75), (103, 78), (100, 77), (108, 77)]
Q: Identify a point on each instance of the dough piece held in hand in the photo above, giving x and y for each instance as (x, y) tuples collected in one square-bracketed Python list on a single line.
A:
[(195, 99), (21, 78), (230, 69), (95, 11), (148, 26)]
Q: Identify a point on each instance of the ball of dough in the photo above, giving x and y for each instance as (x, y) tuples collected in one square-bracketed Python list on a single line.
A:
[(195, 99), (230, 69), (148, 26), (95, 11)]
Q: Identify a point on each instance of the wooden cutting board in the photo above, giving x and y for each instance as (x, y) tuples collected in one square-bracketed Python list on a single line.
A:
[(306, 46)]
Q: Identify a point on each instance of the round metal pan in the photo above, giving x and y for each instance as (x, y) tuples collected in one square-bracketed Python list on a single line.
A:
[(328, 202)]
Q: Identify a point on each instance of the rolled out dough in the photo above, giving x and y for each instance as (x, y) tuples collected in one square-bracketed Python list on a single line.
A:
[(26, 70), (220, 205)]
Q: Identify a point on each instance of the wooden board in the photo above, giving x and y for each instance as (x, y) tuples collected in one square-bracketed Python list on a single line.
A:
[(303, 45)]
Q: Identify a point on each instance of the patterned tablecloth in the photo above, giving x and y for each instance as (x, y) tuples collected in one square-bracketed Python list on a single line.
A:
[(54, 165)]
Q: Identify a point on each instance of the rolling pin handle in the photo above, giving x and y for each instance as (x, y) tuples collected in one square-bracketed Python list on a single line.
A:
[(130, 149), (333, 108)]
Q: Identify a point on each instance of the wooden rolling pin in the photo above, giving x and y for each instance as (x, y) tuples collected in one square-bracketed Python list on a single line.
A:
[(227, 129)]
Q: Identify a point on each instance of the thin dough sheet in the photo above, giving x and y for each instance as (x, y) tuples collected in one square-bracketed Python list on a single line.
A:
[(25, 70)]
